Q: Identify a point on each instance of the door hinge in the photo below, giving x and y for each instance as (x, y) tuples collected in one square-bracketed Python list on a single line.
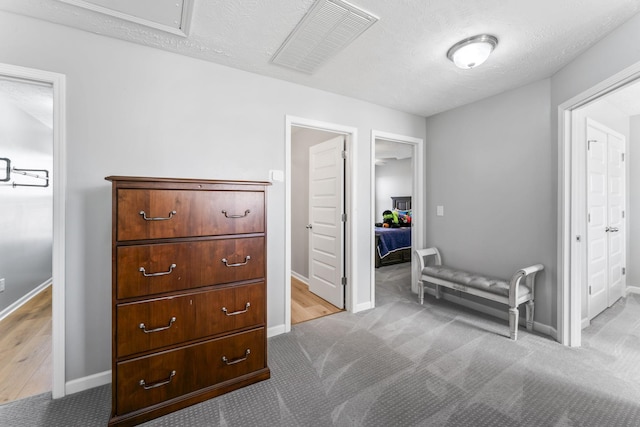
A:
[(344, 154), (622, 214), (623, 157), (589, 290), (588, 217), (344, 217), (624, 271), (344, 281)]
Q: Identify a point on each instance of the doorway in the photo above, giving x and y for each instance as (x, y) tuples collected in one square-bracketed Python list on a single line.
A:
[(350, 201), (393, 213), (414, 149), (26, 160), (613, 103), (317, 227), (606, 230), (57, 182)]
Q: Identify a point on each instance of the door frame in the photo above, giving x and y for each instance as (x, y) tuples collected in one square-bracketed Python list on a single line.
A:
[(351, 196), (417, 200), (571, 250), (58, 82)]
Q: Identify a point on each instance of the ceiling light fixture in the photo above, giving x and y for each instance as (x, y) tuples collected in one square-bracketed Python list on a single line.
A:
[(471, 52)]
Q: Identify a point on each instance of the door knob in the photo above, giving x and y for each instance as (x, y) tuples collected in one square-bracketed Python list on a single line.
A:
[(611, 229), (309, 226)]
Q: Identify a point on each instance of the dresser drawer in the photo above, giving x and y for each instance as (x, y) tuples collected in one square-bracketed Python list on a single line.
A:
[(151, 269), (146, 381), (148, 325), (156, 214)]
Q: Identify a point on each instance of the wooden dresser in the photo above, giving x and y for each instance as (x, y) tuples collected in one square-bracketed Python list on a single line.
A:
[(189, 292)]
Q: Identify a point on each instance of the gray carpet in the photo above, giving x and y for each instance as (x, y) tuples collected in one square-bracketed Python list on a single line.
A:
[(402, 364)]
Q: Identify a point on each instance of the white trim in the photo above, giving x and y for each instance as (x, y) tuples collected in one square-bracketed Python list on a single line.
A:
[(276, 330), (364, 306), (632, 290), (88, 382), (183, 31), (24, 299), (585, 323), (569, 287), (418, 218), (58, 82), (300, 277), (351, 134)]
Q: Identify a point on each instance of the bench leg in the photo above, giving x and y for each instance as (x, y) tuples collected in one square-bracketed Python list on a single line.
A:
[(529, 315), (421, 291), (513, 322), (438, 292)]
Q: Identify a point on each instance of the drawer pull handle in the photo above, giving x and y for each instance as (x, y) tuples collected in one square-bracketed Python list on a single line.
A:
[(146, 218), (163, 273), (238, 360), (159, 383), (247, 212), (162, 328), (246, 308), (246, 260)]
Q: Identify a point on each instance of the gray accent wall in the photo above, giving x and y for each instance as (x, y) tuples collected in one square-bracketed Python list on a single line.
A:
[(488, 166), (26, 231), (136, 110)]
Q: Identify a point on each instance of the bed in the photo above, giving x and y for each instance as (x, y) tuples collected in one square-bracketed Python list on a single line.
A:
[(393, 245)]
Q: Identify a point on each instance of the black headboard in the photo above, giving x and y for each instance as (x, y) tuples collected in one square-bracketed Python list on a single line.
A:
[(402, 203)]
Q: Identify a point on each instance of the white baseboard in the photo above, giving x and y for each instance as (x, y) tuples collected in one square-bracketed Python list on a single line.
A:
[(300, 277), (632, 290), (363, 306), (585, 323), (85, 383), (275, 330), (501, 314), (25, 298)]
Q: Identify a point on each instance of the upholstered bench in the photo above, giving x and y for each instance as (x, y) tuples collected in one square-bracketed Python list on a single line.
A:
[(512, 292)]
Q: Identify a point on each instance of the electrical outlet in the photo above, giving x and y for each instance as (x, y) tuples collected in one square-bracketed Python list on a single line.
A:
[(1, 285)]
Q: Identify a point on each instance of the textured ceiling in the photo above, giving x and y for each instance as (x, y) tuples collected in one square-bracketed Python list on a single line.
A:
[(400, 62)]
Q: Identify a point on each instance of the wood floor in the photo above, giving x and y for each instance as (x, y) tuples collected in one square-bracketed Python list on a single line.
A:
[(306, 305), (25, 349)]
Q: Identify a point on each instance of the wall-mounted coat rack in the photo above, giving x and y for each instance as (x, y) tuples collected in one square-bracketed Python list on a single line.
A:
[(41, 174)]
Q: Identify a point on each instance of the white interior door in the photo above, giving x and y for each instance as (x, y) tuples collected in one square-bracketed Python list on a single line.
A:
[(605, 218), (615, 214), (326, 227)]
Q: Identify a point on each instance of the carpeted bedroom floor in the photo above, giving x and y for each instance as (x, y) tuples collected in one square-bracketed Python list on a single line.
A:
[(403, 364)]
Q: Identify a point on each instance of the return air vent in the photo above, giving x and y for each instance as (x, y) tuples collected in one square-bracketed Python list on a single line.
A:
[(327, 28)]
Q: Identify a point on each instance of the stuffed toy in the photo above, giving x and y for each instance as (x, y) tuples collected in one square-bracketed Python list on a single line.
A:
[(390, 219)]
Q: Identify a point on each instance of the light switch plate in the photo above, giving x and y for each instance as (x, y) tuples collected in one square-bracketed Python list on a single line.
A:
[(440, 210), (276, 175), (1, 285)]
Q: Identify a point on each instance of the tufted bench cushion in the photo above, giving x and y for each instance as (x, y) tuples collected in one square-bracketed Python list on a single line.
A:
[(472, 280)]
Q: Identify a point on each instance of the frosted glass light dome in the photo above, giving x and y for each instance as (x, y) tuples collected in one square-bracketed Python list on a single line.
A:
[(471, 52)]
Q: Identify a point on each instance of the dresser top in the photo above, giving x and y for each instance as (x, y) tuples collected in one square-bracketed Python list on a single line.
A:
[(182, 180)]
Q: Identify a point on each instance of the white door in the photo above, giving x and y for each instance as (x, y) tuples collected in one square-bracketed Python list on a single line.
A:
[(326, 227), (605, 218)]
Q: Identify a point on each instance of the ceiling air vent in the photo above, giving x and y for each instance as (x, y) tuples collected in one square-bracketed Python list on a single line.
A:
[(327, 28)]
